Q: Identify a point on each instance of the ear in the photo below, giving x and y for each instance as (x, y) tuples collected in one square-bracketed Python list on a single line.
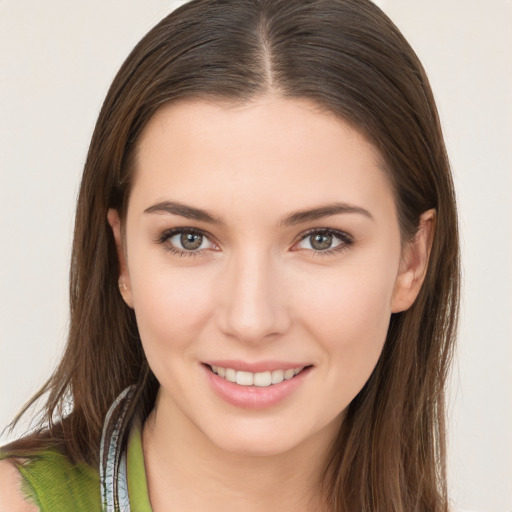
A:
[(414, 263), (124, 276)]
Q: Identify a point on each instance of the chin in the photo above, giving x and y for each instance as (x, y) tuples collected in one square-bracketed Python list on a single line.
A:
[(262, 445), (272, 437)]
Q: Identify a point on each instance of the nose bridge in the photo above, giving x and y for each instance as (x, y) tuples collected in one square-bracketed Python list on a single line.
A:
[(253, 305)]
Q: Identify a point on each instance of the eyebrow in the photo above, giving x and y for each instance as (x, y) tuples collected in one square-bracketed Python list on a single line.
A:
[(190, 212), (324, 211)]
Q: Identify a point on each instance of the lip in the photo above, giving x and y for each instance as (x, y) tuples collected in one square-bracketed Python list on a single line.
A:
[(254, 397)]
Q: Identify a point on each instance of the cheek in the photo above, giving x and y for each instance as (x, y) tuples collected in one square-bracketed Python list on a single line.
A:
[(349, 317), (171, 305), (353, 295)]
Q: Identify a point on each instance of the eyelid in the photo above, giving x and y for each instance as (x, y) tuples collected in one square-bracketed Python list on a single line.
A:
[(346, 240), (166, 235)]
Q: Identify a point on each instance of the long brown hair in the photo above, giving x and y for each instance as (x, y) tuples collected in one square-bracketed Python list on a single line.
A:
[(349, 58)]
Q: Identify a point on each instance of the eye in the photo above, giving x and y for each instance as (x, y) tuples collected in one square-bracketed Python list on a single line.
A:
[(189, 241), (186, 241), (324, 241)]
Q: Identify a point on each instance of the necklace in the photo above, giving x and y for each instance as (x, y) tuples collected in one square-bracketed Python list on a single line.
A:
[(113, 470)]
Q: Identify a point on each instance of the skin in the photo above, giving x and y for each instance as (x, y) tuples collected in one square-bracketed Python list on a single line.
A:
[(11, 497), (258, 290)]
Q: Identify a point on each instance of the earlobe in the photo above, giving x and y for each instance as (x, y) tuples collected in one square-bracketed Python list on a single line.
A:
[(124, 276), (414, 264)]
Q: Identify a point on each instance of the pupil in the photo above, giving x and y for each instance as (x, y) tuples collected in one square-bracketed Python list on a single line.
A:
[(191, 241), (321, 242)]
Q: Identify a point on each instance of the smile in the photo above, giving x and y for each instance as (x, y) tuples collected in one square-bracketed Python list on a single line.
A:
[(258, 379)]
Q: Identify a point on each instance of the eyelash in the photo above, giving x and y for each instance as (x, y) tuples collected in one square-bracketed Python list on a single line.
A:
[(346, 240), (168, 234)]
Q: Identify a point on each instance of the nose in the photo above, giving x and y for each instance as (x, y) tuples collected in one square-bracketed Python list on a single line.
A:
[(253, 307)]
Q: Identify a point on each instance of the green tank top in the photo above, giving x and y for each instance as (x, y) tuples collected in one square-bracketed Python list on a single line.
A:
[(54, 484)]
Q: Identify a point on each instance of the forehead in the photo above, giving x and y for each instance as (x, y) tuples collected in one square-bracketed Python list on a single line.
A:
[(270, 149)]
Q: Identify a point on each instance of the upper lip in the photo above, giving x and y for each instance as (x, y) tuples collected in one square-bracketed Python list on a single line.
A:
[(256, 367)]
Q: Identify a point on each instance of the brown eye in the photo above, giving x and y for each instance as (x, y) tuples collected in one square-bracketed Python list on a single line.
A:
[(321, 241), (325, 241), (187, 241), (191, 241)]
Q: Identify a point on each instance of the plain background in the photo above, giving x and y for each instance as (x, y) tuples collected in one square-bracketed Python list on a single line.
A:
[(57, 59)]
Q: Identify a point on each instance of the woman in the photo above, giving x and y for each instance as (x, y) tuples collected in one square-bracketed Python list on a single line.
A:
[(264, 282)]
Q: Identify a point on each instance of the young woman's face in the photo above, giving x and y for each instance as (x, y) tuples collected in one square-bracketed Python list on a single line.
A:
[(262, 247)]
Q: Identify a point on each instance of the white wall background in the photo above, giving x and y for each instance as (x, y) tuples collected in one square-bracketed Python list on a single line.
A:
[(57, 59)]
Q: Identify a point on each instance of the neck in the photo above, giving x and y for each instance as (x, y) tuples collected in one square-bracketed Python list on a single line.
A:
[(186, 469)]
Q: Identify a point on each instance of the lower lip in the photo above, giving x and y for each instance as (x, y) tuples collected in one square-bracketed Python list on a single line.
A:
[(254, 397)]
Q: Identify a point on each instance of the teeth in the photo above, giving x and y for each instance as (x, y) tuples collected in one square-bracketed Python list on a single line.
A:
[(230, 375), (244, 378), (259, 379), (288, 374), (277, 376), (263, 379)]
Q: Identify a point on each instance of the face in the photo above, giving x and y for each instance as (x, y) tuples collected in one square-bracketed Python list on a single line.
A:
[(263, 259)]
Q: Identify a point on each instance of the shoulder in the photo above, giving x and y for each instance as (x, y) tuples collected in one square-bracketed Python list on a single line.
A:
[(47, 481), (11, 496)]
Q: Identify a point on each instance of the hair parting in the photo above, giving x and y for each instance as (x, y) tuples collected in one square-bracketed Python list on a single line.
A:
[(350, 60)]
